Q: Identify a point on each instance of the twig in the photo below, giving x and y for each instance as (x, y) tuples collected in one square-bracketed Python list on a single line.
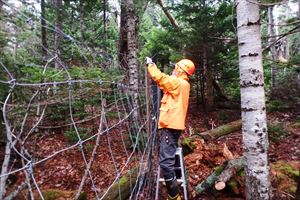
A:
[(12, 195), (92, 156), (287, 33)]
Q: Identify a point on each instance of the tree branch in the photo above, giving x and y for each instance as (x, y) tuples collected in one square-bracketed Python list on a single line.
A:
[(168, 14), (12, 195), (283, 35)]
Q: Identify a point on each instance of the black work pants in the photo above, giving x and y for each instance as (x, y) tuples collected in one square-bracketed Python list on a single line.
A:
[(167, 150)]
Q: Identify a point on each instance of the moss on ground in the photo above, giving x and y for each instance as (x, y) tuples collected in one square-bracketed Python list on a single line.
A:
[(276, 132), (55, 194), (286, 175), (296, 125)]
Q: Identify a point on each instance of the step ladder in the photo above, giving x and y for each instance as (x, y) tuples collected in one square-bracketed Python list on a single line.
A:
[(179, 171)]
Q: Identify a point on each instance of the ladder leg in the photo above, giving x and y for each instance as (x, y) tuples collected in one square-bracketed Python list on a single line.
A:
[(184, 180), (157, 183), (183, 176)]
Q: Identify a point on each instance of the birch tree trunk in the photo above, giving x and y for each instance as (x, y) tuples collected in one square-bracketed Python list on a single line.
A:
[(285, 40), (7, 155), (132, 54), (255, 138), (271, 40)]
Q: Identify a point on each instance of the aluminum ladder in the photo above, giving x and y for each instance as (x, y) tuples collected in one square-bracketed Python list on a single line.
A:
[(180, 174)]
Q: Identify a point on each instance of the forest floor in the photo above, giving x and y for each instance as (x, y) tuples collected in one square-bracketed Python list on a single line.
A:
[(64, 172), (284, 153)]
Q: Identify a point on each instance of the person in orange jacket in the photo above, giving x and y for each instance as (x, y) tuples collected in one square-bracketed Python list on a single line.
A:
[(173, 109)]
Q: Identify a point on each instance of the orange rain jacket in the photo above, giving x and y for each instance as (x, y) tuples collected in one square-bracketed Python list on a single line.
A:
[(174, 103)]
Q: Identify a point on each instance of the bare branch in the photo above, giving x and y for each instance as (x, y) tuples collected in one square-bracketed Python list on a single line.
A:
[(283, 35), (12, 195), (168, 14)]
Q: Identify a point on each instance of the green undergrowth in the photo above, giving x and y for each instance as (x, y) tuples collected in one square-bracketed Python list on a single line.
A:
[(285, 175), (296, 123), (276, 132), (54, 194), (72, 137), (277, 105), (187, 145)]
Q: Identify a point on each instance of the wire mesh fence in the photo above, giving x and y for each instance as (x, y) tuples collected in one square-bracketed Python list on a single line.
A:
[(66, 130)]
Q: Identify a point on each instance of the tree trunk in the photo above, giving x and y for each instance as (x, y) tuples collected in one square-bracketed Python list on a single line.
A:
[(132, 54), (286, 43), (105, 33), (271, 40), (9, 143), (299, 27), (219, 90), (254, 122), (58, 34), (81, 10), (123, 47), (208, 83), (43, 30)]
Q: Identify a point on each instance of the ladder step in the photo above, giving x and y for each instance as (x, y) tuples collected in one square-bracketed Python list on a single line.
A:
[(178, 180), (179, 171)]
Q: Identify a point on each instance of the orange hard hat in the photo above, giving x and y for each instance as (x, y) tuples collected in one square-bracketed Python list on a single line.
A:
[(187, 65)]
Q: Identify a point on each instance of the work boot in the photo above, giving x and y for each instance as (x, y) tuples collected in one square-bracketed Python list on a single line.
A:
[(177, 197), (173, 190)]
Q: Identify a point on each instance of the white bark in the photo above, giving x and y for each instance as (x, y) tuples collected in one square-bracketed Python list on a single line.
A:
[(286, 46), (255, 140), (132, 54), (9, 143), (271, 40)]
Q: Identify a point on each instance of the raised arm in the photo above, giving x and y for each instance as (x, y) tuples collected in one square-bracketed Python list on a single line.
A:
[(165, 82)]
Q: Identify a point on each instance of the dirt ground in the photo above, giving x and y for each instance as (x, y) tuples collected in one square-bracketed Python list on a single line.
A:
[(64, 172), (284, 150)]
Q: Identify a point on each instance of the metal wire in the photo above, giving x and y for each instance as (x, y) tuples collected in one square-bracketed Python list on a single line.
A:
[(21, 129)]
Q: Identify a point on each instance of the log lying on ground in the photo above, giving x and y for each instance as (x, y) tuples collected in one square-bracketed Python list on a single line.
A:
[(221, 175), (124, 185), (187, 143), (222, 130), (231, 169)]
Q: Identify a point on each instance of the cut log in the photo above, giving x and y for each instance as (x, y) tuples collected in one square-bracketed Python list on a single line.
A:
[(222, 174), (210, 180), (220, 131), (187, 143), (231, 169)]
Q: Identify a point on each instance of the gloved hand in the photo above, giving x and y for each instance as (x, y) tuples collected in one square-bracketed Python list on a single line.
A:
[(148, 61)]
